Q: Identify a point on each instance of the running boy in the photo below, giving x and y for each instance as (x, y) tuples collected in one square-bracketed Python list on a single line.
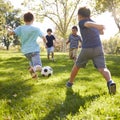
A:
[(50, 44), (28, 35), (74, 40), (91, 49)]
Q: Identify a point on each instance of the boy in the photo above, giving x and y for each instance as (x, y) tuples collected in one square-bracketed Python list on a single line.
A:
[(74, 42), (50, 44), (91, 49), (28, 35)]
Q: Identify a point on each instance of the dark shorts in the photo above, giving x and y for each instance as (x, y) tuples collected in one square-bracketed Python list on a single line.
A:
[(94, 54)]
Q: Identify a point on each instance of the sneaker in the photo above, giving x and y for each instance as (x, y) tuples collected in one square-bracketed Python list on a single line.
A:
[(69, 84), (111, 87), (53, 60), (32, 72)]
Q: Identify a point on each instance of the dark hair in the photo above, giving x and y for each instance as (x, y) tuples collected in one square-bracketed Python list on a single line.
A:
[(49, 30), (84, 12), (28, 17), (75, 27)]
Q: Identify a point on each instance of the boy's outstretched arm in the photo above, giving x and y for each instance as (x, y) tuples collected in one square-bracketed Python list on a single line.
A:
[(95, 25), (10, 31)]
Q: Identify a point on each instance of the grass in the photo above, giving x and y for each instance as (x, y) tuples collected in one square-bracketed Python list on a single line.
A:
[(22, 98)]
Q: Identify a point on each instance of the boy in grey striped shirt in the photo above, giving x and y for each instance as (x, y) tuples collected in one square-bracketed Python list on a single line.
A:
[(74, 40)]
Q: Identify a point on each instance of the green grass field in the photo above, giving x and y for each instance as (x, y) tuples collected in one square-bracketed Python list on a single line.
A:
[(22, 98)]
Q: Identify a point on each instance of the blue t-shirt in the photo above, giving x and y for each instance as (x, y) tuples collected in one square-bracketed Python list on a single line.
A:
[(28, 35), (74, 40), (90, 36), (50, 40)]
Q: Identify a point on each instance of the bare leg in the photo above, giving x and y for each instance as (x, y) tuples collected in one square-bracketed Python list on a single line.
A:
[(52, 55), (106, 73), (48, 56), (74, 72)]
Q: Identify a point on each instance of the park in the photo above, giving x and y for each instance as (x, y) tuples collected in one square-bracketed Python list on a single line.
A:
[(48, 98)]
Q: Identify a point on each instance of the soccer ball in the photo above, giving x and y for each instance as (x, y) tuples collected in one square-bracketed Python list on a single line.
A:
[(47, 71)]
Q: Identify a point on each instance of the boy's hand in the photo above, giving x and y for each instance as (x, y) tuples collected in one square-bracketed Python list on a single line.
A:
[(9, 30), (101, 29)]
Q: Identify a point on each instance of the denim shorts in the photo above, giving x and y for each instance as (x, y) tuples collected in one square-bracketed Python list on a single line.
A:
[(94, 54), (34, 58)]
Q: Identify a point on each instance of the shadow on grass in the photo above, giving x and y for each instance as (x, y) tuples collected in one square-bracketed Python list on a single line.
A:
[(71, 105), (15, 90)]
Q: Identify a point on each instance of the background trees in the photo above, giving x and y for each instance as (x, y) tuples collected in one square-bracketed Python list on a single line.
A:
[(9, 17), (112, 6), (60, 12)]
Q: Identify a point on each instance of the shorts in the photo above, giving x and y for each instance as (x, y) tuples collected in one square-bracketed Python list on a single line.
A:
[(73, 53), (50, 49), (34, 59), (94, 54)]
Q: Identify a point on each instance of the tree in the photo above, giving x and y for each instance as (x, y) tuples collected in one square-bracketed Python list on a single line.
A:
[(112, 6), (4, 7), (9, 17), (60, 12)]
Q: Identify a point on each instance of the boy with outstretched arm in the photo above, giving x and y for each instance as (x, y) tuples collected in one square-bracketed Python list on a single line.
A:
[(28, 35), (91, 49)]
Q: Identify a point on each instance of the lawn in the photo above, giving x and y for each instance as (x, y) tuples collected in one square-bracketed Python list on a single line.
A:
[(22, 98)]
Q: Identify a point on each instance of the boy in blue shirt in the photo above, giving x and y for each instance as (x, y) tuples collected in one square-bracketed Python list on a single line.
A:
[(28, 35), (91, 49), (74, 40)]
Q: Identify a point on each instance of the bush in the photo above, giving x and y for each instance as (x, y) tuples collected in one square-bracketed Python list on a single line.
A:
[(111, 45)]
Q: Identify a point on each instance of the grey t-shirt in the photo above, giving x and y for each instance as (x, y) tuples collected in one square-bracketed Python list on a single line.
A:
[(74, 40)]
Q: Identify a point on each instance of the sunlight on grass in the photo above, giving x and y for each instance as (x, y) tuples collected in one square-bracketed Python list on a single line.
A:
[(23, 98)]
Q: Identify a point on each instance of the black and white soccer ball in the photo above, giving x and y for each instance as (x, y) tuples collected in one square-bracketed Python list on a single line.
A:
[(46, 71)]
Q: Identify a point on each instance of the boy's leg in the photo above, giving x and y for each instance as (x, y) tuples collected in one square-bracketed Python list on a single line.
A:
[(106, 73), (73, 74), (99, 63), (37, 64), (48, 53), (52, 53), (31, 69), (75, 54), (110, 83), (48, 56), (71, 53), (80, 63)]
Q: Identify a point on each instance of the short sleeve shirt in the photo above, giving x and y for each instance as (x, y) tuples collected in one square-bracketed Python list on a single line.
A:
[(50, 40), (74, 40), (28, 35), (90, 36)]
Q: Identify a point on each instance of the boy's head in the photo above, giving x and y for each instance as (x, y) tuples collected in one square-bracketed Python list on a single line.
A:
[(49, 31), (83, 13), (74, 30), (28, 17)]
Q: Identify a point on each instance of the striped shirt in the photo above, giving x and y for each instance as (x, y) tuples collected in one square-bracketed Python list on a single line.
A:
[(74, 40)]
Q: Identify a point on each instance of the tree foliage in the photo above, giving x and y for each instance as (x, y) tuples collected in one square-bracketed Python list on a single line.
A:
[(110, 46), (112, 6), (4, 8)]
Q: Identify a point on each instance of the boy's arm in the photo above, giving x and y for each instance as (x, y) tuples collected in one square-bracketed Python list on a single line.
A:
[(10, 31), (67, 42), (44, 40), (94, 25)]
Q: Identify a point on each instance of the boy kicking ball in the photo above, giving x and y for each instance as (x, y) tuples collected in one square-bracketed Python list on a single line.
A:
[(91, 49), (28, 35)]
